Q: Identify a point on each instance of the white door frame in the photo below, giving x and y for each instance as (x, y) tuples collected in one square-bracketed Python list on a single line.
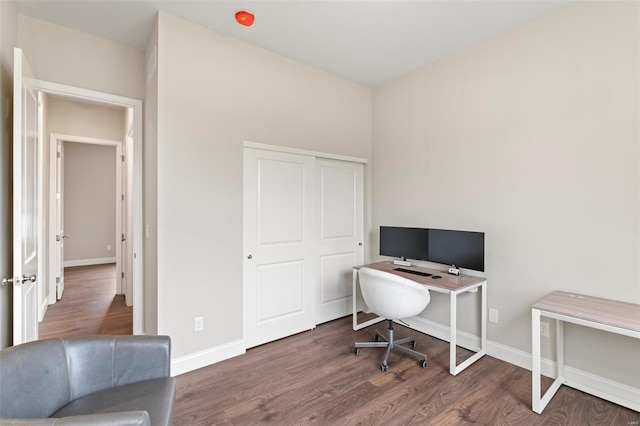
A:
[(135, 240), (54, 138)]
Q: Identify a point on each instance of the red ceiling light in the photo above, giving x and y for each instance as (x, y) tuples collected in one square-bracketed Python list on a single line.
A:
[(245, 18)]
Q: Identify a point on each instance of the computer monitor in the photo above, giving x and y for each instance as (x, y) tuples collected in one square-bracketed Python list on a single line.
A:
[(461, 248), (406, 243)]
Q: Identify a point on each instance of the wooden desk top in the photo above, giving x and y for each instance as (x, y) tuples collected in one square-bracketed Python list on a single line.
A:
[(445, 284), (603, 311)]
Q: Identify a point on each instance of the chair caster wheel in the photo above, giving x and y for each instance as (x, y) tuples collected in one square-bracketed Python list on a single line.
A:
[(384, 367), (412, 343), (423, 363), (356, 351)]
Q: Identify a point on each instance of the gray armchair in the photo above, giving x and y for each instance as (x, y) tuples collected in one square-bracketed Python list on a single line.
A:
[(97, 380)]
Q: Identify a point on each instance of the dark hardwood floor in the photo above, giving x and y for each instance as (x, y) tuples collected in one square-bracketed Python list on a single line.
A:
[(89, 305), (314, 378)]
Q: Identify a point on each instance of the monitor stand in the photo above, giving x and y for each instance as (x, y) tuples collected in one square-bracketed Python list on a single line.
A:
[(402, 262)]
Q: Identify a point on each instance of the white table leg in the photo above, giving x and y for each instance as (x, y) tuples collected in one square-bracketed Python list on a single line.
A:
[(483, 320), (453, 329), (454, 368), (560, 347), (353, 298), (535, 358), (538, 402)]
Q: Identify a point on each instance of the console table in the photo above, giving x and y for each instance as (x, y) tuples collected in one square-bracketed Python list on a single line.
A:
[(448, 284), (602, 314)]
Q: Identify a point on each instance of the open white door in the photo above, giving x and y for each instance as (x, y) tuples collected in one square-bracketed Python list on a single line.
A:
[(59, 221), (25, 226)]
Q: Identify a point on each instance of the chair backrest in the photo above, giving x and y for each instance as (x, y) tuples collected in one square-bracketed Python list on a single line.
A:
[(34, 379), (392, 296), (38, 378)]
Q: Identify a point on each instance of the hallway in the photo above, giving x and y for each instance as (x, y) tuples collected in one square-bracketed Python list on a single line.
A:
[(89, 305)]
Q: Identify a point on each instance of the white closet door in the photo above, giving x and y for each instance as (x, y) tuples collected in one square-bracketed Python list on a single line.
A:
[(279, 242), (341, 229)]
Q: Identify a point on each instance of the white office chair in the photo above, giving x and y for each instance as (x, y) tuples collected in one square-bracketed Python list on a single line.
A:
[(392, 297)]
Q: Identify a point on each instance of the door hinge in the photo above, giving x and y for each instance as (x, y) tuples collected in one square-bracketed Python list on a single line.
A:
[(123, 275), (57, 280), (122, 197), (122, 157), (58, 155), (123, 239)]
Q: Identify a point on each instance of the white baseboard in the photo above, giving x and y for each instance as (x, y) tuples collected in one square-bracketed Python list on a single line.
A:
[(206, 357), (440, 331), (599, 386), (85, 262), (616, 392)]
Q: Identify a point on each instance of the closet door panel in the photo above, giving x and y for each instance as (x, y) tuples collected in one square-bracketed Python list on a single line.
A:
[(340, 234), (280, 245)]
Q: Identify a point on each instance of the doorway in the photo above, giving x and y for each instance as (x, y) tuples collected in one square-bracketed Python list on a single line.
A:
[(86, 208), (130, 177), (30, 183)]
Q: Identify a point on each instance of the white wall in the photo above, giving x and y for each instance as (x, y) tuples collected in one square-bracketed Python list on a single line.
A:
[(150, 152), (85, 218), (89, 202), (63, 55), (75, 118), (531, 137), (8, 19), (215, 92)]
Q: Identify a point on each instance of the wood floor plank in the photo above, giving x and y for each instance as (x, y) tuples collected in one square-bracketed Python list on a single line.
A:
[(314, 378), (89, 305)]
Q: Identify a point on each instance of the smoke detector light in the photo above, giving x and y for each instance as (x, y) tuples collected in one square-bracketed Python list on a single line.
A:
[(245, 18)]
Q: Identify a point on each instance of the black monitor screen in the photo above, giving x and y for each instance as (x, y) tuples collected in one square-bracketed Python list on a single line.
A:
[(409, 243), (461, 248)]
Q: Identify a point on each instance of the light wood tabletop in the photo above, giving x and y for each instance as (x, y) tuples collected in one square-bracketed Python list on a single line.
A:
[(446, 281), (610, 312)]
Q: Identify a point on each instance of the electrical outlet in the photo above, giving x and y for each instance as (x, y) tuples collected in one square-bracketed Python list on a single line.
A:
[(108, 247), (493, 316), (198, 323), (544, 328)]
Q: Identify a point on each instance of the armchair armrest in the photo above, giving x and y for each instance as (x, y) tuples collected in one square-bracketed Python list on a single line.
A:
[(123, 418)]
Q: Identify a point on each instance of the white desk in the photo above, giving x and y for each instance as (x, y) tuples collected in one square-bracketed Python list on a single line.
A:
[(448, 284), (602, 314)]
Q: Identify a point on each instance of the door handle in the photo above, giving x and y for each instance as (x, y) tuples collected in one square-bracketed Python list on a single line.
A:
[(250, 257), (17, 280), (60, 237)]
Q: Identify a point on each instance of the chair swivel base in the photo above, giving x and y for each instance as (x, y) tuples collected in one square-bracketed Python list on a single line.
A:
[(391, 343)]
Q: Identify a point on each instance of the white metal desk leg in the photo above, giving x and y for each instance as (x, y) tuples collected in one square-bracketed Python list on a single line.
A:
[(354, 299), (535, 355), (483, 320), (560, 348), (453, 332)]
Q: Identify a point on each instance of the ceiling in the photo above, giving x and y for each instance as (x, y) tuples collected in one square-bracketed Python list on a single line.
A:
[(367, 41)]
